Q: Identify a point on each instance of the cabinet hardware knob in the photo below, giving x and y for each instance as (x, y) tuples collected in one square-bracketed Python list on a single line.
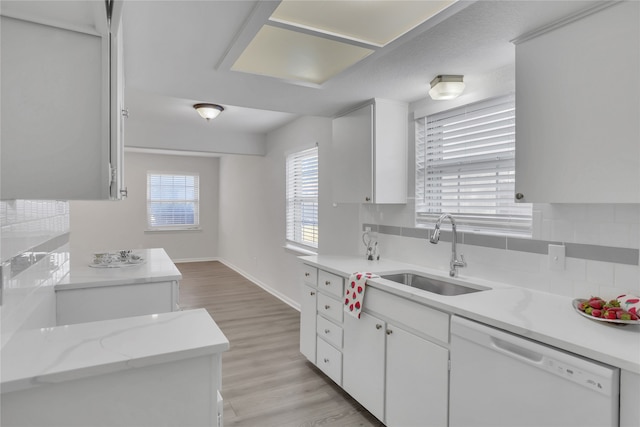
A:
[(378, 326), (327, 307), (125, 113), (326, 331), (389, 331), (519, 196), (312, 293), (326, 360), (367, 199), (327, 283), (306, 274)]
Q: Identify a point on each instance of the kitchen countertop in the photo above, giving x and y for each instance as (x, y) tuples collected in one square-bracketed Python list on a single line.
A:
[(157, 267), (50, 355), (544, 317)]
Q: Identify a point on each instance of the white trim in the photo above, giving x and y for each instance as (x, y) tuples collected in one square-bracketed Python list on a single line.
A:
[(298, 250), (186, 260), (264, 286), (161, 229)]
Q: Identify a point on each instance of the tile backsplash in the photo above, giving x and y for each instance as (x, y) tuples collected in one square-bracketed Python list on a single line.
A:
[(34, 236), (602, 248)]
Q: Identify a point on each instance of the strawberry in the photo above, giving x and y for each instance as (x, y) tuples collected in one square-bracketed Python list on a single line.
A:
[(633, 316), (583, 305), (623, 315), (608, 314), (588, 310), (596, 303), (596, 313)]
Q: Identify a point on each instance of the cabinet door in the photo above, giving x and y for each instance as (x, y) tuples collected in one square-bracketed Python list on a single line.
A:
[(363, 361), (55, 112), (417, 380), (352, 156), (308, 323), (118, 114), (577, 110)]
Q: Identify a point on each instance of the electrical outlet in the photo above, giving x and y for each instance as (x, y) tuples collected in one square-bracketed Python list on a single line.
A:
[(367, 229), (556, 257)]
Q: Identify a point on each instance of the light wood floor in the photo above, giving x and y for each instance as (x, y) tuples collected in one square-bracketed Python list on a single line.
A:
[(265, 379)]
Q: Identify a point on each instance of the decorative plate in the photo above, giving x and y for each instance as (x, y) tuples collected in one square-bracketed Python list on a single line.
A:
[(577, 301)]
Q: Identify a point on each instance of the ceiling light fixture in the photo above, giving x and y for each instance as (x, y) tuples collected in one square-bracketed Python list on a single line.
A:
[(446, 87), (208, 111)]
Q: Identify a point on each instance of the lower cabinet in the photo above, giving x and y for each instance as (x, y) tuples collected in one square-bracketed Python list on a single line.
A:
[(399, 377), (308, 323)]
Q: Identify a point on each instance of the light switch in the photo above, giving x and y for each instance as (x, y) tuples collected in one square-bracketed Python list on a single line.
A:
[(556, 257)]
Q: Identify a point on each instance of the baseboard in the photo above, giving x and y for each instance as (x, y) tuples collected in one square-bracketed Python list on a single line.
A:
[(195, 259), (285, 299)]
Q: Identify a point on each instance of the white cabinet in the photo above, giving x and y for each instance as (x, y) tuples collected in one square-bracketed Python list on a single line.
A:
[(629, 391), (363, 361), (416, 381), (369, 154), (57, 102), (577, 91), (308, 312), (399, 376), (92, 303), (308, 322)]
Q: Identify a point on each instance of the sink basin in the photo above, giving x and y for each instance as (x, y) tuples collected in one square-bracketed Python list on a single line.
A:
[(436, 286)]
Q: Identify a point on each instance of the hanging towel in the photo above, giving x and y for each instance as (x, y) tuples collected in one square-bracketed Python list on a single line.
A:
[(354, 293)]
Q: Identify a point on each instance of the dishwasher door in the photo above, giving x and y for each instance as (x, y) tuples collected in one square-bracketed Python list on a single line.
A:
[(501, 379)]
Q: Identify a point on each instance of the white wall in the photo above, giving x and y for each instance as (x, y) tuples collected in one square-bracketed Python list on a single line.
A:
[(112, 225), (252, 209)]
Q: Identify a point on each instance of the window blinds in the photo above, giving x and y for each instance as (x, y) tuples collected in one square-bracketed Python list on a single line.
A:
[(302, 197), (465, 165), (172, 200)]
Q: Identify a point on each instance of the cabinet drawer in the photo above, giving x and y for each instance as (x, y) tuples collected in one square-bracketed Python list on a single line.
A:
[(329, 331), (331, 283), (309, 275), (330, 361), (330, 308), (431, 322)]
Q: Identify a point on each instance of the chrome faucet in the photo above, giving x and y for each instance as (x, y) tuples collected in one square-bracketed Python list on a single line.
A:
[(435, 237)]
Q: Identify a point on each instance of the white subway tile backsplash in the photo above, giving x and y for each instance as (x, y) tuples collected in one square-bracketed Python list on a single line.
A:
[(627, 278), (629, 214), (600, 273)]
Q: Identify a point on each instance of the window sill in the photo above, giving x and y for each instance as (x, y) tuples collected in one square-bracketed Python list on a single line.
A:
[(171, 229), (298, 250)]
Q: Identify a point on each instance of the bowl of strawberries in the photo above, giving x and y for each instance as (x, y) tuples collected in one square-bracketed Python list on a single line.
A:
[(623, 310)]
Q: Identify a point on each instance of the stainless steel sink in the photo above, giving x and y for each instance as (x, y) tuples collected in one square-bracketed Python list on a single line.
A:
[(436, 286)]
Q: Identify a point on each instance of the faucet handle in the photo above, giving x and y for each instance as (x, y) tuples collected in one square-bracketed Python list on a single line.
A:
[(463, 263)]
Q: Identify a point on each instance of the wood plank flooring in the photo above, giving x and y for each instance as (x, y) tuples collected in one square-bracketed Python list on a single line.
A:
[(266, 381)]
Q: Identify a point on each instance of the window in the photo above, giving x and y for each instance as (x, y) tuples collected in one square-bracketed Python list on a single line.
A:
[(465, 165), (302, 197), (172, 201)]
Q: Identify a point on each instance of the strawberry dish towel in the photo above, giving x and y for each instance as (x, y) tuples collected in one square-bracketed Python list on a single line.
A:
[(354, 293)]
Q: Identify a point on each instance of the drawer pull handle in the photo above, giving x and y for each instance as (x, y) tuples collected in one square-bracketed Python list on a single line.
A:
[(326, 360), (326, 331), (378, 326), (306, 275), (389, 331), (327, 307), (312, 293), (327, 283)]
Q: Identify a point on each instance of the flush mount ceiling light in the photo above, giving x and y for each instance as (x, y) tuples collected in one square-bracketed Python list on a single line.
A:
[(446, 87), (208, 111)]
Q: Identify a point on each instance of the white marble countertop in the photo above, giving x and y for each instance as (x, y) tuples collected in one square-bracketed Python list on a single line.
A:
[(543, 317), (157, 267), (50, 355)]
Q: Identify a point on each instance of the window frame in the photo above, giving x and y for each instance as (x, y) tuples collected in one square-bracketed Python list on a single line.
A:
[(195, 201), (474, 206), (296, 196)]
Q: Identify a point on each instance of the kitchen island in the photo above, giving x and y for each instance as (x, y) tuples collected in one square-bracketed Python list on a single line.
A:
[(89, 292)]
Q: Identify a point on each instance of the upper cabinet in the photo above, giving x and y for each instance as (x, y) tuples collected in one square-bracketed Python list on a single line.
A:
[(577, 109), (369, 155), (61, 77)]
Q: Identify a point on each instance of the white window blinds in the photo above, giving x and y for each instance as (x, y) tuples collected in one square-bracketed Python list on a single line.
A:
[(465, 165), (302, 197), (172, 201)]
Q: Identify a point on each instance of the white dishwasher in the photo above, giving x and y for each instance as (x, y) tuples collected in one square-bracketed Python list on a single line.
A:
[(501, 379)]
